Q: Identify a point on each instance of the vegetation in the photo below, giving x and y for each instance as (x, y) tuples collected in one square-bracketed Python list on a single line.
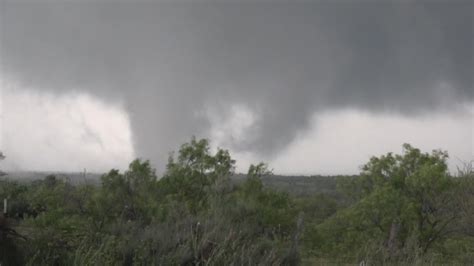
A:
[(401, 209)]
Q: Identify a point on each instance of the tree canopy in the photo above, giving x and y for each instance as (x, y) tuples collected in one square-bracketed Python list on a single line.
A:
[(402, 208)]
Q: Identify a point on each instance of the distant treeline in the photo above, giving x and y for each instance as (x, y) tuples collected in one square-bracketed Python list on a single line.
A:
[(293, 184), (401, 209)]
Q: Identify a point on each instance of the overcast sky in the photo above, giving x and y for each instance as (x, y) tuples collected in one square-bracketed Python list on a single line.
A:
[(310, 87)]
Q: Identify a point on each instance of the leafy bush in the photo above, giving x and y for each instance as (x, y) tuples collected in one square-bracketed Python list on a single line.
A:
[(401, 209)]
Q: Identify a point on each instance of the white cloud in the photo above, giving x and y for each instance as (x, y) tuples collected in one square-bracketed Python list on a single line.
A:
[(471, 107), (67, 132), (232, 126), (341, 141)]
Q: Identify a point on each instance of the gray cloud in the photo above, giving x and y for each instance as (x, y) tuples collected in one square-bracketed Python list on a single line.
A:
[(169, 61)]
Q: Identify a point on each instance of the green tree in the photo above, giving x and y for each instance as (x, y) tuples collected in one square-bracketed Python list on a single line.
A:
[(402, 200), (271, 211), (253, 184), (191, 177), (130, 196)]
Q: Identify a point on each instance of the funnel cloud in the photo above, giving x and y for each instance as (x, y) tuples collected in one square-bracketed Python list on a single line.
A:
[(181, 67)]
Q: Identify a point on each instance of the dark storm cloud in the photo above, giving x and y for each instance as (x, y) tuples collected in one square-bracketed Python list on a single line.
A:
[(283, 61)]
